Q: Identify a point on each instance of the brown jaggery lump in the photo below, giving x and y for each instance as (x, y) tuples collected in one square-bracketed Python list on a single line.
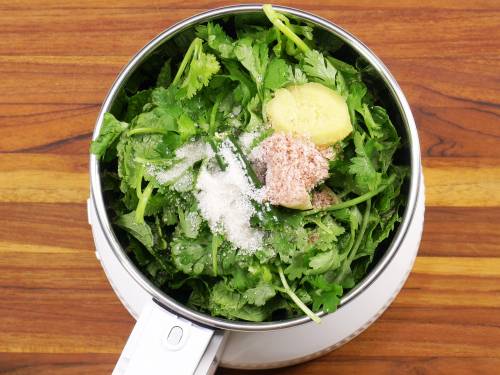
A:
[(293, 167), (323, 198)]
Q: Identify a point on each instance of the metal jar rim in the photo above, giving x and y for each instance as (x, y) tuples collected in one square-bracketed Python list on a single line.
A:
[(413, 144)]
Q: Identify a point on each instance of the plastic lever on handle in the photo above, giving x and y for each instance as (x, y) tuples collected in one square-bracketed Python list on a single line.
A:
[(162, 343)]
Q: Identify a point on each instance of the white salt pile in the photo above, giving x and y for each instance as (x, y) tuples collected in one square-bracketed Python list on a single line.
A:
[(225, 201), (187, 155)]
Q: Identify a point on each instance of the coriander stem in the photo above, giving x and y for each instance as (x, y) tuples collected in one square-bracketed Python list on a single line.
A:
[(138, 186), (355, 248), (141, 206), (215, 246), (296, 299), (351, 240), (187, 57), (275, 19), (250, 172), (364, 224), (213, 115), (352, 202), (222, 164), (147, 131)]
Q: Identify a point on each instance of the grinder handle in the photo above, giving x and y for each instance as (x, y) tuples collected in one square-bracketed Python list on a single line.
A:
[(163, 343)]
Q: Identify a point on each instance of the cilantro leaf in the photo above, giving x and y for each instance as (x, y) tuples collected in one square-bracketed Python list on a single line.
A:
[(366, 177), (277, 74), (259, 295), (136, 104), (216, 39), (165, 76), (110, 130), (190, 223), (199, 73), (298, 267), (254, 56), (201, 67), (297, 76), (319, 69), (190, 256), (323, 262), (224, 301), (357, 92), (374, 128), (326, 294), (186, 126), (141, 232)]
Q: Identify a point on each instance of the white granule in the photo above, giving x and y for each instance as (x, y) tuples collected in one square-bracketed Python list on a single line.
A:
[(225, 201), (187, 155), (237, 174), (236, 110), (184, 183), (193, 219), (246, 139), (194, 151)]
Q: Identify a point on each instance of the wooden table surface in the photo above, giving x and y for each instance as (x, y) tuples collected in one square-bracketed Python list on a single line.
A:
[(58, 315)]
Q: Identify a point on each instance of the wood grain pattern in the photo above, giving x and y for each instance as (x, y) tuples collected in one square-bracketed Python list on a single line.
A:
[(46, 177), (57, 60)]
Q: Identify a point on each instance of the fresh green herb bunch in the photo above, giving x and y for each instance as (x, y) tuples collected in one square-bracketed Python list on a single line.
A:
[(219, 91)]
